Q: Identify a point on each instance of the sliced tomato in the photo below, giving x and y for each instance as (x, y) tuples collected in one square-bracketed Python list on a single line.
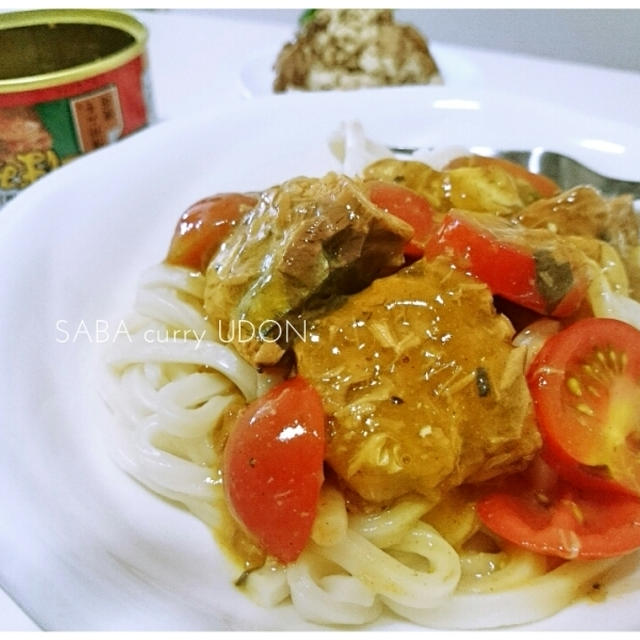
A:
[(273, 467), (516, 263), (561, 520), (203, 227), (409, 207), (585, 385), (545, 186)]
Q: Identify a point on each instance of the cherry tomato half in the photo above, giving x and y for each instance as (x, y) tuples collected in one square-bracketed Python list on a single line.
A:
[(203, 227), (273, 467), (508, 261), (409, 207), (562, 520), (585, 385)]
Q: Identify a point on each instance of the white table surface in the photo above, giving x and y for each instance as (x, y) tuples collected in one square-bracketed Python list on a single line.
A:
[(198, 61)]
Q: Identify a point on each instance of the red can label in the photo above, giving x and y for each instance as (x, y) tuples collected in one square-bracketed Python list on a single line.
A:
[(44, 128)]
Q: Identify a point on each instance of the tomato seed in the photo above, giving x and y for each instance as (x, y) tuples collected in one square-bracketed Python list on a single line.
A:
[(573, 385)]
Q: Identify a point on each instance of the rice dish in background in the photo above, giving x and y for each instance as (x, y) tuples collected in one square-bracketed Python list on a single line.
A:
[(353, 48)]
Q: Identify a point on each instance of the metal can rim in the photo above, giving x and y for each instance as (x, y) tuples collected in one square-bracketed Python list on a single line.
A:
[(116, 19)]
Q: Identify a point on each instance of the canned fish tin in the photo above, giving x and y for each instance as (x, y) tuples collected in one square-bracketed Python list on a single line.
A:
[(70, 81)]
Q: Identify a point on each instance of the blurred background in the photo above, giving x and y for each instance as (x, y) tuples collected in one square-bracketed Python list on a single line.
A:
[(606, 37)]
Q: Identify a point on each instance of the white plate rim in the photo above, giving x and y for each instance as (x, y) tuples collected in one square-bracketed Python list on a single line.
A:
[(25, 213)]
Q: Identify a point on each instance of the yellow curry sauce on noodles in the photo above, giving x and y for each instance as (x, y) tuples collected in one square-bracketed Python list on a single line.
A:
[(404, 322)]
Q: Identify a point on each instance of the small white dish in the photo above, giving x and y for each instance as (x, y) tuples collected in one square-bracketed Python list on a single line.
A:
[(456, 70)]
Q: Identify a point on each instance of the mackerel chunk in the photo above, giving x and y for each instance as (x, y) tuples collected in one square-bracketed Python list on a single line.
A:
[(305, 245), (421, 385)]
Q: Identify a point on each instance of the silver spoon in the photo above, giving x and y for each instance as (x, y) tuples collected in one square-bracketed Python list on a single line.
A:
[(566, 171)]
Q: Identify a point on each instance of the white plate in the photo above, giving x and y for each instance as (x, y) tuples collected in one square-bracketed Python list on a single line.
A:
[(456, 69), (82, 546)]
